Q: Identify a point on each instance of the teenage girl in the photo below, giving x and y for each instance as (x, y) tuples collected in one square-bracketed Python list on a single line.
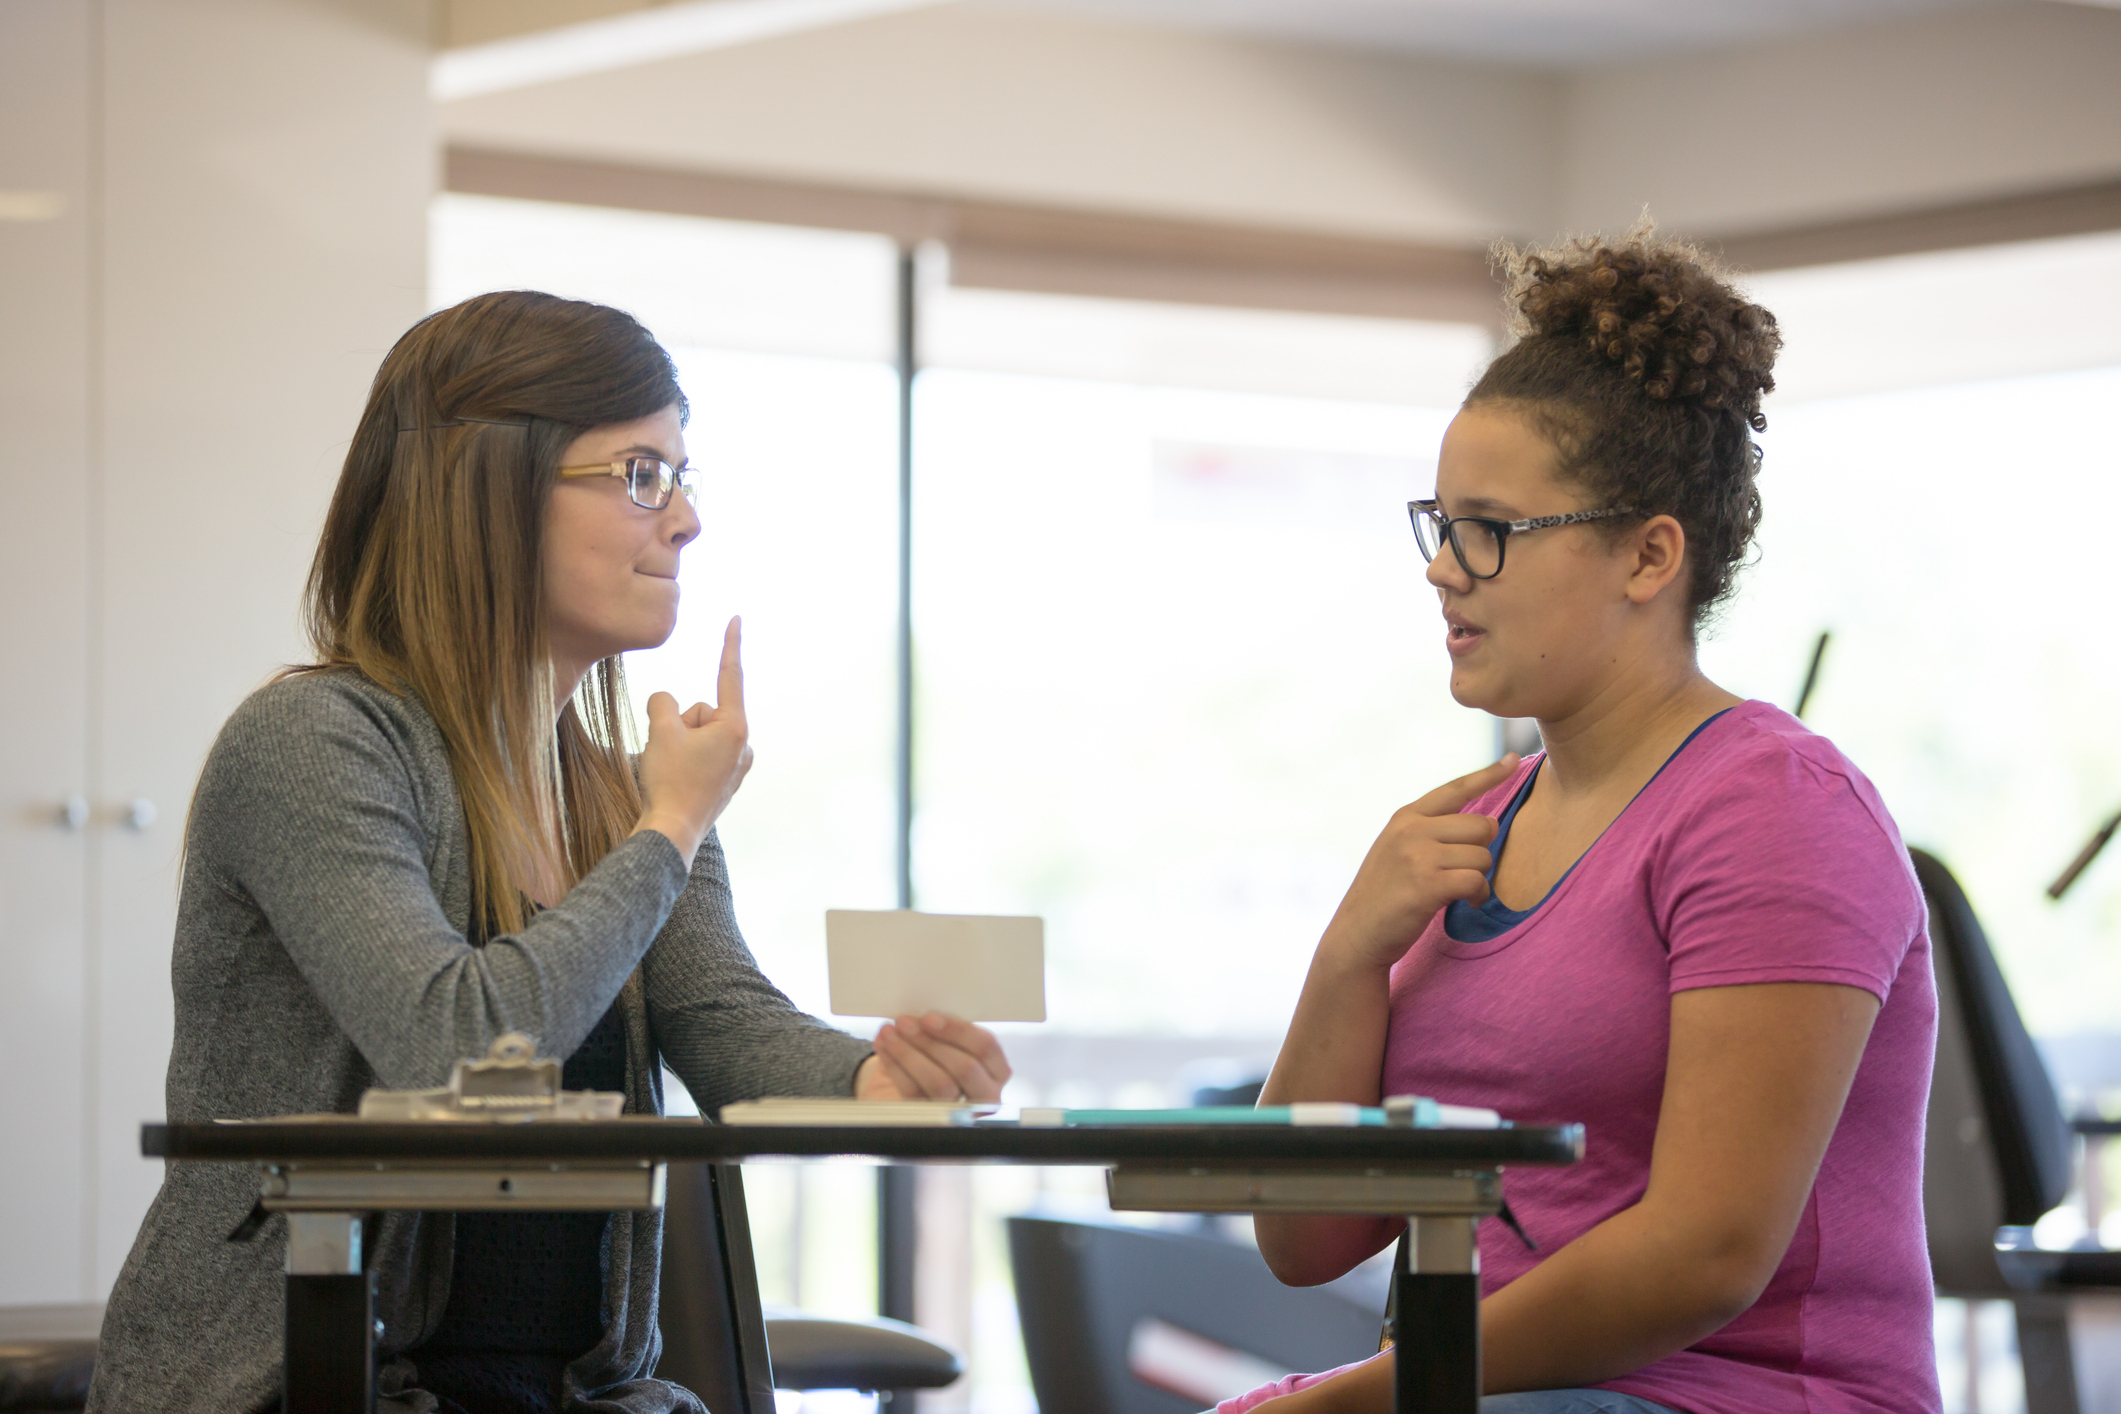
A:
[(1688, 923)]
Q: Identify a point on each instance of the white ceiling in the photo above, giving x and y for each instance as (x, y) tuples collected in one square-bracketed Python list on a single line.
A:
[(1547, 33)]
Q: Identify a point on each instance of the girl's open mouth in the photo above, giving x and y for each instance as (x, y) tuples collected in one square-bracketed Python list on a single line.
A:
[(1461, 638)]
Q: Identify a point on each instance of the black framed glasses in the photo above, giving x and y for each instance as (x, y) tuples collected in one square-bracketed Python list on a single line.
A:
[(1478, 541), (650, 481)]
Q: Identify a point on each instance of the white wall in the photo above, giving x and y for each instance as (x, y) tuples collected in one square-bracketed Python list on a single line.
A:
[(249, 236)]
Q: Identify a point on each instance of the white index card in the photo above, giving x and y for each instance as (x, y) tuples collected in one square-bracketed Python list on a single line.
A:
[(900, 962)]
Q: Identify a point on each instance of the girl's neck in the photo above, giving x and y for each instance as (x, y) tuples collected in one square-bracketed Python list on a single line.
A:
[(1628, 727)]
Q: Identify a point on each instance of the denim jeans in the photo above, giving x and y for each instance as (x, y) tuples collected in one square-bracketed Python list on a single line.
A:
[(1569, 1401)]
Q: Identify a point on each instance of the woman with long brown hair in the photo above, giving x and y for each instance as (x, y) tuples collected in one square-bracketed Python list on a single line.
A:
[(436, 834)]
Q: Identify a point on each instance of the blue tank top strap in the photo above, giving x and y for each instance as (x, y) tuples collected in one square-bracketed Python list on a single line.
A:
[(1481, 922)]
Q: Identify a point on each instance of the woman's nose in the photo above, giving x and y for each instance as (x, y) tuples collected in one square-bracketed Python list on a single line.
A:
[(683, 526)]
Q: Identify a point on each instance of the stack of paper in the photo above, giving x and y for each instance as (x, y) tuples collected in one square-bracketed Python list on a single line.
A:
[(865, 1113)]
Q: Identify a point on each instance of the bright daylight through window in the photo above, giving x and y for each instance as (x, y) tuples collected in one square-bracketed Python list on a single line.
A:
[(1176, 661)]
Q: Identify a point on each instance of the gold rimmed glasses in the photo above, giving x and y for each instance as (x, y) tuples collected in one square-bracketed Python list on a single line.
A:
[(650, 481)]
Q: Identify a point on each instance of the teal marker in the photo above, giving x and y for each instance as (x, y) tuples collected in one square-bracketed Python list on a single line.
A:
[(1402, 1111)]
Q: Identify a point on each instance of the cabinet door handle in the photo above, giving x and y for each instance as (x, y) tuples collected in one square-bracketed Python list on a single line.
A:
[(139, 813), (72, 814)]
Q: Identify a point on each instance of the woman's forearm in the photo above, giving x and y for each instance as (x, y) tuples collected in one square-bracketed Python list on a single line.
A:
[(1626, 1294), (1336, 1043), (1755, 1080), (1334, 1051), (1629, 1292)]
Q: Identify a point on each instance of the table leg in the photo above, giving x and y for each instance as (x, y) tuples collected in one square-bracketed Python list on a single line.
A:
[(330, 1347), (1437, 1319)]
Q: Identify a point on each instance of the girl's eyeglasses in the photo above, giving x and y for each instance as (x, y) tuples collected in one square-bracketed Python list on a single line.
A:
[(1478, 541)]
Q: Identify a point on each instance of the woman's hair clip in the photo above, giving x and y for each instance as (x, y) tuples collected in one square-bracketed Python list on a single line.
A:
[(460, 421)]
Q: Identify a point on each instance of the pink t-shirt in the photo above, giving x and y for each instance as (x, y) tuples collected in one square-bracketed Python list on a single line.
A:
[(1759, 854)]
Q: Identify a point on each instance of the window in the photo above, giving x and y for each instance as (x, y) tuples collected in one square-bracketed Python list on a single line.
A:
[(1176, 663)]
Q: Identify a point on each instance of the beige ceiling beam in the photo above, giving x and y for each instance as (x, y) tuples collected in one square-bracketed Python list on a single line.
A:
[(1054, 250), (2040, 215), (1058, 250)]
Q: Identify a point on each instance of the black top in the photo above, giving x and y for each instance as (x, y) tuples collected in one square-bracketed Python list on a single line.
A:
[(526, 1290)]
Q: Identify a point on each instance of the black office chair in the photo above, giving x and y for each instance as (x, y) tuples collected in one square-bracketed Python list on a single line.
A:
[(1999, 1152), (45, 1376), (1127, 1320), (720, 1343)]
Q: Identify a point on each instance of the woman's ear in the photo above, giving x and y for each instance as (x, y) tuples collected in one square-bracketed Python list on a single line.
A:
[(1659, 551)]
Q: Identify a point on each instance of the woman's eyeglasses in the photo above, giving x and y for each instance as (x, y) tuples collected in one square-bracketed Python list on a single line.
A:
[(650, 481), (1478, 541)]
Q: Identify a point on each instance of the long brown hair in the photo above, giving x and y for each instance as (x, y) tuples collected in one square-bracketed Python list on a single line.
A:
[(428, 577)]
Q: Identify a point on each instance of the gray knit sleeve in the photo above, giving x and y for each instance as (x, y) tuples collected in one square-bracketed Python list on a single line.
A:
[(324, 807), (729, 1033)]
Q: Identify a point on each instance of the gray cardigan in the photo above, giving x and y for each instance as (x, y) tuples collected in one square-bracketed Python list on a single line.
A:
[(320, 949)]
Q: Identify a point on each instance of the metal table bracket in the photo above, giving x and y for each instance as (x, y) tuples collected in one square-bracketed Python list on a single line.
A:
[(1436, 1298), (461, 1187), (1144, 1188)]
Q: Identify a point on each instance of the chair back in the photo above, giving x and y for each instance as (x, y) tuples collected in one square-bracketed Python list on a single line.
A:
[(1998, 1151), (714, 1332), (1096, 1300)]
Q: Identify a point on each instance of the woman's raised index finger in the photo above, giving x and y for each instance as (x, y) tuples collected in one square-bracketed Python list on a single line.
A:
[(729, 681)]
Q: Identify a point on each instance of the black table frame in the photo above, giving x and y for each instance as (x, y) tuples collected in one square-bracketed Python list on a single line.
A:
[(326, 1170)]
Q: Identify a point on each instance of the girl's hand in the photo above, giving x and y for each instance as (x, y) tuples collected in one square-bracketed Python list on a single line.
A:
[(933, 1057), (695, 759), (1427, 856)]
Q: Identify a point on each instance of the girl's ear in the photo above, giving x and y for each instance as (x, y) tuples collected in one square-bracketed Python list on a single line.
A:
[(1659, 550)]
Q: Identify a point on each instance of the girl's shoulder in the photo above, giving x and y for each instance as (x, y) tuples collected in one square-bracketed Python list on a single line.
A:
[(1758, 753), (1757, 777)]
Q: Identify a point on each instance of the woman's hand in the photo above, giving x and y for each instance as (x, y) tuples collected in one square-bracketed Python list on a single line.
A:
[(1427, 856), (695, 759), (933, 1057)]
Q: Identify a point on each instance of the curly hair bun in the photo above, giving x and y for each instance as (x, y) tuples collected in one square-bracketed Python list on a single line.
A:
[(1645, 368), (1657, 309)]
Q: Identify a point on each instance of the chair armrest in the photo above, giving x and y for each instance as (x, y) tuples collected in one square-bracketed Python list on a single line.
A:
[(45, 1374), (2090, 1125), (822, 1352)]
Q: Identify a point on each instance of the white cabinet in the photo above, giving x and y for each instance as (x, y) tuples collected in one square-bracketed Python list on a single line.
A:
[(47, 495), (231, 212)]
